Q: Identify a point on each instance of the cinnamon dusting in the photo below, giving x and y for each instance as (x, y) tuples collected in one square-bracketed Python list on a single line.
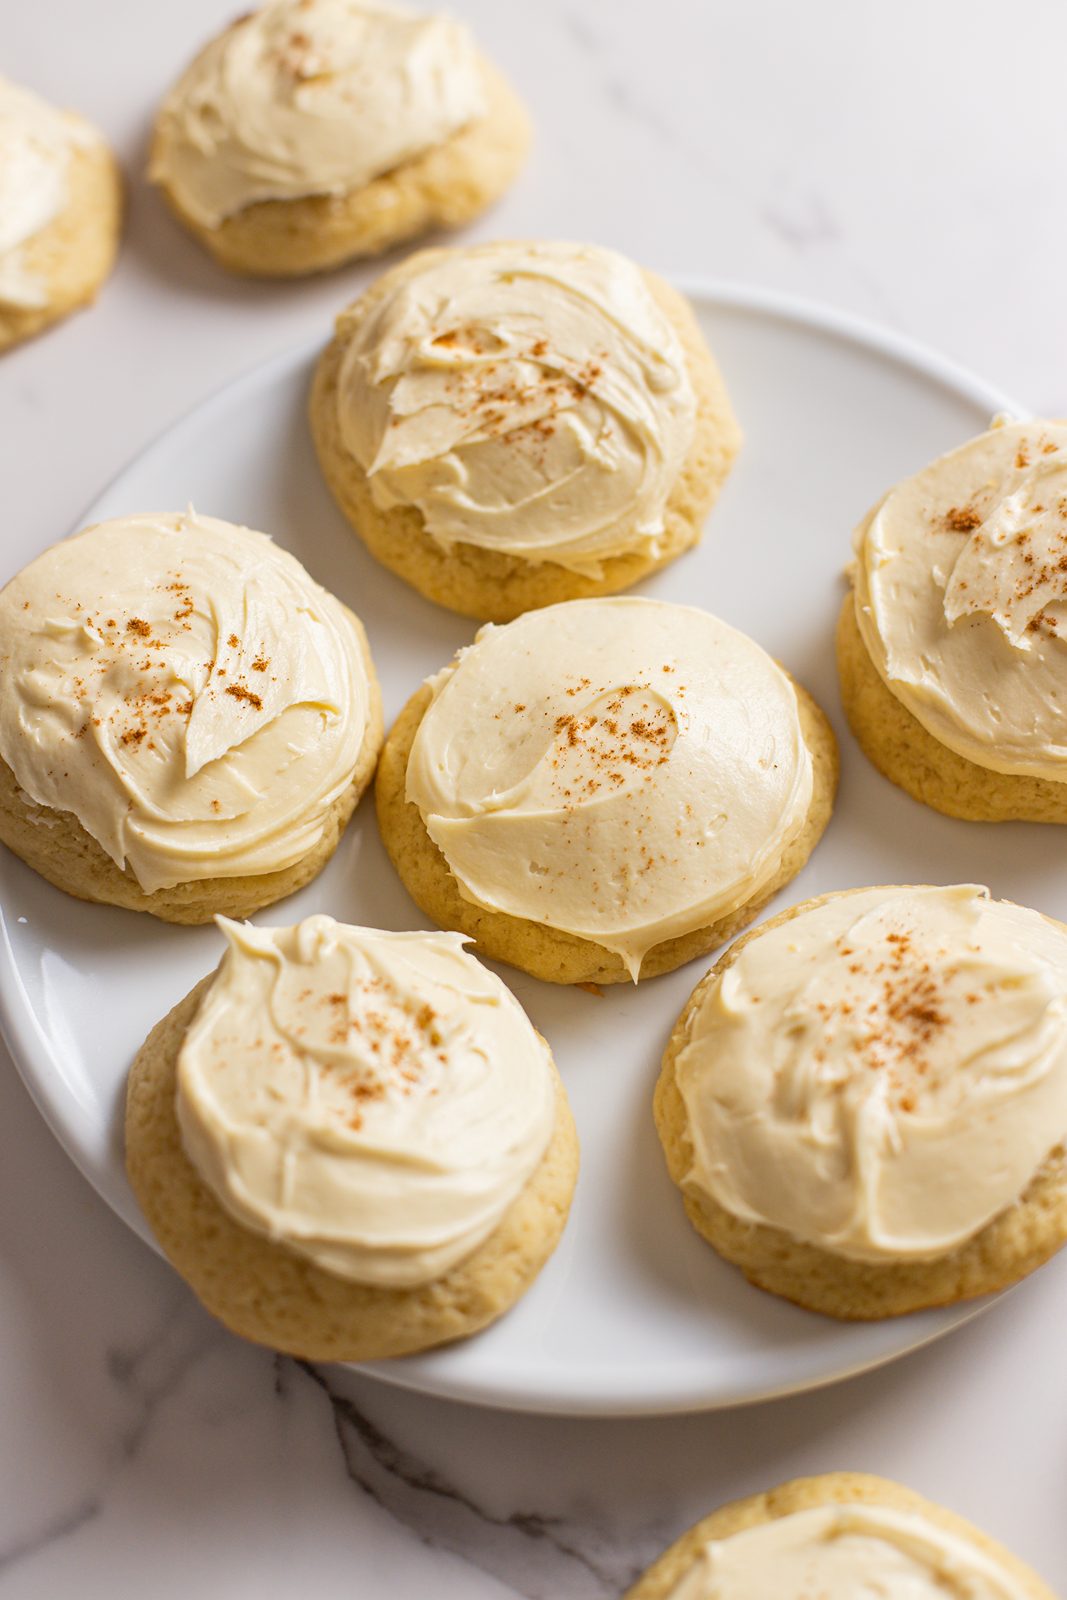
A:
[(239, 692)]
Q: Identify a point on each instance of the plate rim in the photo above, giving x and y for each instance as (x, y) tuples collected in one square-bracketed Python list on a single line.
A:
[(21, 1032)]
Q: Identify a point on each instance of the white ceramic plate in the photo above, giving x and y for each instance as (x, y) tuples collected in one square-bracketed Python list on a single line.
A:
[(634, 1313)]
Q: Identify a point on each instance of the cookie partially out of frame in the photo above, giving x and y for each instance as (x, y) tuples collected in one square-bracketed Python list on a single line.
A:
[(72, 254), (906, 753), (950, 646), (805, 1494)]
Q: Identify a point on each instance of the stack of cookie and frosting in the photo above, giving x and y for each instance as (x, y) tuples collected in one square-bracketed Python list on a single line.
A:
[(951, 643), (311, 132), (865, 1102), (515, 424)]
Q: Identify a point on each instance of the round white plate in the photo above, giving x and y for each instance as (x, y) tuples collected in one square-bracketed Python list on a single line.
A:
[(634, 1313)]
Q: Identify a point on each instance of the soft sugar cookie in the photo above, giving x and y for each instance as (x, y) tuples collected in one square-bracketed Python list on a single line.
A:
[(60, 213), (837, 1536), (604, 789), (952, 646), (351, 1144), (511, 425), (864, 1103), (310, 132), (187, 719)]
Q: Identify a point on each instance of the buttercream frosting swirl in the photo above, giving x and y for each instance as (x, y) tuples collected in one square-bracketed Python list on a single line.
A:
[(845, 1552), (36, 141), (529, 398), (884, 1073), (374, 1101), (312, 97), (623, 769), (961, 597), (185, 689)]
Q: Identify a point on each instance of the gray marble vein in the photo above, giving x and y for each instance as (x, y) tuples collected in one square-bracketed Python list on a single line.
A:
[(151, 1370), (540, 1555), (60, 1526)]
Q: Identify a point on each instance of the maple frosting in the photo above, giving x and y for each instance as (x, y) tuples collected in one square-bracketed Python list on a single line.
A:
[(185, 689), (312, 97), (960, 580), (374, 1101), (36, 142), (884, 1073), (845, 1552), (623, 769), (528, 398)]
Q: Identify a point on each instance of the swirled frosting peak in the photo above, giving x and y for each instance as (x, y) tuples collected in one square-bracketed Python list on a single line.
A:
[(526, 398), (36, 141), (843, 1552), (882, 1074), (374, 1101), (625, 770), (308, 97), (961, 597), (185, 689)]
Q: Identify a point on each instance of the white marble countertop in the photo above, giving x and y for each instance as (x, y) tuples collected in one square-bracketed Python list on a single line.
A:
[(896, 160)]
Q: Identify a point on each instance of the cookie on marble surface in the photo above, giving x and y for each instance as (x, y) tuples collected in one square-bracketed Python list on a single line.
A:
[(62, 213), (511, 425), (187, 720), (950, 644), (428, 1176), (841, 1113), (830, 1534), (629, 782), (312, 132)]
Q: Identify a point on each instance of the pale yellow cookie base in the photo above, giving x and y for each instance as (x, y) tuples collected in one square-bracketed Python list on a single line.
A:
[(549, 953), (805, 1494), (445, 187), (76, 251), (1021, 1239), (904, 752), (55, 844), (265, 1293), (487, 584)]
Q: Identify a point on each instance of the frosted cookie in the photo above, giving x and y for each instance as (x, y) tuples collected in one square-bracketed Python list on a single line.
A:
[(186, 718), (864, 1103), (952, 647), (604, 789), (838, 1536), (351, 1144), (314, 131), (511, 425), (60, 213)]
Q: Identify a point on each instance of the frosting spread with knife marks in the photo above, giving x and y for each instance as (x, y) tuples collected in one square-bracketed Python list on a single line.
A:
[(960, 578), (843, 1552), (312, 97), (185, 689), (374, 1101), (882, 1074), (527, 398)]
